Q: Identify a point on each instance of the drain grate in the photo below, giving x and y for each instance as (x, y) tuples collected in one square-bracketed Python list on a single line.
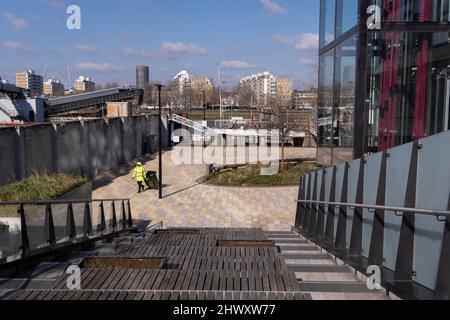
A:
[(245, 243), (122, 263)]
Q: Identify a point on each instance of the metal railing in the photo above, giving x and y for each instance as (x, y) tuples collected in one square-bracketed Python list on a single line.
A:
[(31, 227), (391, 210), (395, 210)]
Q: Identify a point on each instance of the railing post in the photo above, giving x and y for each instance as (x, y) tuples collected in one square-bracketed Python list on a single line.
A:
[(341, 233), (49, 229), (313, 215), (377, 240), (87, 220), (71, 231), (308, 206), (113, 216), (299, 213), (24, 232), (130, 217), (329, 229), (102, 226), (405, 256), (443, 279), (124, 221), (320, 229), (357, 225)]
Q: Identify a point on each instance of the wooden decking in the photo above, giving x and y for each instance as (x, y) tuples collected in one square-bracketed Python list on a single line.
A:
[(195, 267)]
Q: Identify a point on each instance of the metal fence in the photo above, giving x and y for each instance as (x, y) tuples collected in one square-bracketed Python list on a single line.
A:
[(391, 210), (31, 228)]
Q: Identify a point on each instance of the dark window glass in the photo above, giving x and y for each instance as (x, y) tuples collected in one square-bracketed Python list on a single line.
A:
[(326, 98), (409, 87), (414, 10), (327, 21), (345, 86), (347, 15)]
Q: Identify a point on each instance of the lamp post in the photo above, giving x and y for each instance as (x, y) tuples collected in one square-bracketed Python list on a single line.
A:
[(160, 86), (204, 119)]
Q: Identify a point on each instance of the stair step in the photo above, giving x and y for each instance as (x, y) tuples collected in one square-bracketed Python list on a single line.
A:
[(271, 233), (335, 287), (291, 241), (318, 268), (284, 236), (305, 256), (299, 248)]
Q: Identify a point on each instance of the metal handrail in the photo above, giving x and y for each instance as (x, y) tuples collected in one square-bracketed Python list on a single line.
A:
[(156, 226), (71, 234), (436, 213), (42, 202)]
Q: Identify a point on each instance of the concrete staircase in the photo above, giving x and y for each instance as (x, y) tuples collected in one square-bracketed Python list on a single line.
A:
[(318, 273)]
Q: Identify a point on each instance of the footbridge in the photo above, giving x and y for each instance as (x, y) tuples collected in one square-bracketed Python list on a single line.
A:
[(97, 99)]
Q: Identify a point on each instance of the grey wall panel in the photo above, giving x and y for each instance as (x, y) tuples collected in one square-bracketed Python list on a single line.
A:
[(37, 149), (396, 181), (7, 155), (353, 175), (371, 179), (433, 190)]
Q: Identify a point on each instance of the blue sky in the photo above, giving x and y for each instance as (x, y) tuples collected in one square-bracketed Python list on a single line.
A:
[(245, 36)]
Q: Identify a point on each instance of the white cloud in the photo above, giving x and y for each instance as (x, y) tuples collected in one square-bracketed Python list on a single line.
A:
[(301, 42), (101, 67), (128, 52), (273, 6), (85, 48), (16, 46), (53, 3), (182, 48), (236, 64), (308, 62), (168, 50), (18, 23)]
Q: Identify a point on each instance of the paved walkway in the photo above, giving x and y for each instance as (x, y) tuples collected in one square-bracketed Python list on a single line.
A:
[(189, 204)]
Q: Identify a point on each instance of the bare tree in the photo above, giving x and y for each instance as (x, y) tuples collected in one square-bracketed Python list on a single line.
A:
[(280, 117)]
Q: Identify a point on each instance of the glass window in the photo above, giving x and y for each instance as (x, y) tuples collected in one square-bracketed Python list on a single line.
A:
[(409, 87), (326, 98), (327, 21), (347, 15), (345, 108), (414, 10)]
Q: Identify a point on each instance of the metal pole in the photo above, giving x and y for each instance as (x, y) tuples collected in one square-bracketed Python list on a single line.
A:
[(204, 119), (160, 140)]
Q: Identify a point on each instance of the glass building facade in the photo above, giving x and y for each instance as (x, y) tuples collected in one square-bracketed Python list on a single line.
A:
[(379, 88)]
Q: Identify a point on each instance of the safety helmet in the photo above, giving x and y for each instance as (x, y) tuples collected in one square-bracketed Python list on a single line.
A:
[(139, 164)]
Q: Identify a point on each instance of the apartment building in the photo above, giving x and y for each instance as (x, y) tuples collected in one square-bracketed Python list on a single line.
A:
[(53, 88), (83, 85), (263, 86), (33, 83)]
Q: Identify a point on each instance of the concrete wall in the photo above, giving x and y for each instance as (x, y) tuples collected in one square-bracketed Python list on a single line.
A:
[(87, 148)]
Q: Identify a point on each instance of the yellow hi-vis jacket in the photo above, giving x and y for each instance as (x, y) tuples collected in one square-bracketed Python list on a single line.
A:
[(139, 174)]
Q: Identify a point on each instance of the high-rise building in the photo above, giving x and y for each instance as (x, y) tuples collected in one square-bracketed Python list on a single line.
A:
[(284, 91), (53, 88), (381, 86), (142, 76), (183, 88), (33, 83), (262, 85), (84, 84)]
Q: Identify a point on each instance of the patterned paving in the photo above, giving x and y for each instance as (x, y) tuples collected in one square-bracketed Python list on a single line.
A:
[(189, 204)]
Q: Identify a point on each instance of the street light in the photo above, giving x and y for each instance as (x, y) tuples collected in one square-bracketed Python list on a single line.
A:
[(160, 86), (204, 119)]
